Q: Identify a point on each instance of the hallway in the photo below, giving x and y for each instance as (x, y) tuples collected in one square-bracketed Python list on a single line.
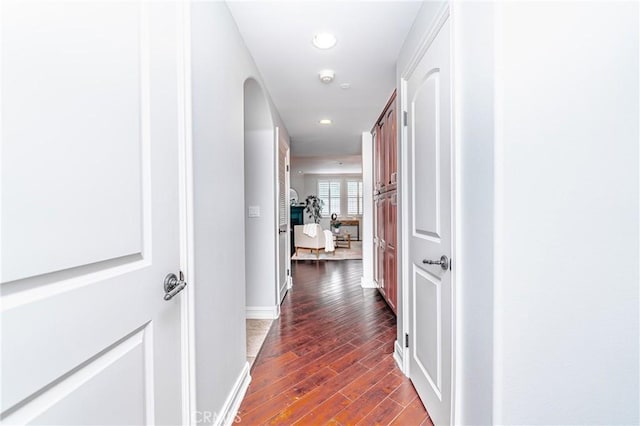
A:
[(328, 359)]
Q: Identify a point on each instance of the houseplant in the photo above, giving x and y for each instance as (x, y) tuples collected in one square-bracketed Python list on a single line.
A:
[(313, 207), (335, 224)]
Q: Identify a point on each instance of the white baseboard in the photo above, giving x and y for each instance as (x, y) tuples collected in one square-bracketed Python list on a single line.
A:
[(367, 283), (263, 312), (230, 408), (398, 356)]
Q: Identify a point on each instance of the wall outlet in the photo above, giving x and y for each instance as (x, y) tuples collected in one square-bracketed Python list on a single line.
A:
[(254, 211)]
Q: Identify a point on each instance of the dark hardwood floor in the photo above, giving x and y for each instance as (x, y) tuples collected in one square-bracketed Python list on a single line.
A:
[(328, 359)]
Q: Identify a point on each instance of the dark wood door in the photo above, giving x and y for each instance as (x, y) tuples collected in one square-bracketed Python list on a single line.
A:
[(391, 147), (380, 214), (390, 251)]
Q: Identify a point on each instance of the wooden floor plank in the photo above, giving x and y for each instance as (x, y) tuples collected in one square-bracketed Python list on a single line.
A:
[(413, 414), (365, 404), (324, 412), (383, 414), (328, 359)]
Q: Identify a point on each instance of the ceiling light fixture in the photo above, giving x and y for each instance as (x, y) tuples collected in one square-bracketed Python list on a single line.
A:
[(327, 76), (325, 121), (324, 40), (345, 86)]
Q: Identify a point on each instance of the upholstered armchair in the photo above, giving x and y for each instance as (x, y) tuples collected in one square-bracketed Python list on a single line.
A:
[(304, 241)]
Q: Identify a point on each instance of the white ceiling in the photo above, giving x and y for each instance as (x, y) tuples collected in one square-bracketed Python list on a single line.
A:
[(333, 165), (370, 34)]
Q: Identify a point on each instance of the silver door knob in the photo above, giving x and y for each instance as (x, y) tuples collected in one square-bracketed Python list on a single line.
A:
[(173, 285), (443, 262)]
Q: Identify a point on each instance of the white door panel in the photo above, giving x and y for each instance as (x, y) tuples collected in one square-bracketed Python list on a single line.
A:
[(89, 207), (57, 220), (430, 293), (426, 307), (426, 168)]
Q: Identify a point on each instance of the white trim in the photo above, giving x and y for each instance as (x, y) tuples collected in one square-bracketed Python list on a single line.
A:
[(281, 291), (368, 283), (263, 312), (187, 233), (404, 228), (400, 356), (456, 226), (426, 41), (229, 410), (289, 281), (455, 222), (276, 209)]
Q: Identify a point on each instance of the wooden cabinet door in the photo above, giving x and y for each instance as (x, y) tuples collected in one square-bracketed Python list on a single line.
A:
[(391, 163), (391, 214), (390, 279), (379, 156), (376, 241), (381, 214)]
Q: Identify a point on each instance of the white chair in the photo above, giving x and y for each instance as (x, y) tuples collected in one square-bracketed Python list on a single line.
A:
[(304, 241)]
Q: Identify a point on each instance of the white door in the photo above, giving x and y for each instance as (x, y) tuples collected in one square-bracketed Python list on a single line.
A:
[(430, 292), (89, 208), (284, 251)]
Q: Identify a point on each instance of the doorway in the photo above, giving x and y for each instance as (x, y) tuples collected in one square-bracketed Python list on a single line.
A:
[(261, 217)]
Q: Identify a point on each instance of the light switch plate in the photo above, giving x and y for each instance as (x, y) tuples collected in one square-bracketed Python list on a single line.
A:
[(254, 211)]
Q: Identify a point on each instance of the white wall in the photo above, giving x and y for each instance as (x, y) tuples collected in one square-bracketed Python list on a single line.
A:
[(297, 182), (546, 130), (566, 200), (220, 66), (474, 137), (366, 224), (260, 231)]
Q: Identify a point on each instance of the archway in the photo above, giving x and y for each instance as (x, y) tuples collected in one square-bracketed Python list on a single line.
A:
[(260, 214)]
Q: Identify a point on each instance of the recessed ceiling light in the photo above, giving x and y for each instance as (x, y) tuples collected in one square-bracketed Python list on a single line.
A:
[(324, 40), (345, 86), (327, 76), (325, 121)]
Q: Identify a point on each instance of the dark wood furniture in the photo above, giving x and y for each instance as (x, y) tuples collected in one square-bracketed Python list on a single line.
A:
[(296, 218), (352, 222), (385, 160), (342, 240)]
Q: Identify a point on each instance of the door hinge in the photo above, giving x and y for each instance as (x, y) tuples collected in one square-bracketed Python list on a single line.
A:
[(287, 167), (288, 272), (406, 340), (405, 117)]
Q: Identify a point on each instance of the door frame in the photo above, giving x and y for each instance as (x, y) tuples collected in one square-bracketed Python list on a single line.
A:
[(186, 213), (277, 136), (401, 352)]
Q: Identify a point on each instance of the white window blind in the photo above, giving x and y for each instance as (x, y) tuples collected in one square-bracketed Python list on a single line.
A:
[(354, 197), (329, 193)]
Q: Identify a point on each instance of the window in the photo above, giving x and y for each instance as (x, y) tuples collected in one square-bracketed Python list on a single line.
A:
[(354, 197), (329, 192)]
